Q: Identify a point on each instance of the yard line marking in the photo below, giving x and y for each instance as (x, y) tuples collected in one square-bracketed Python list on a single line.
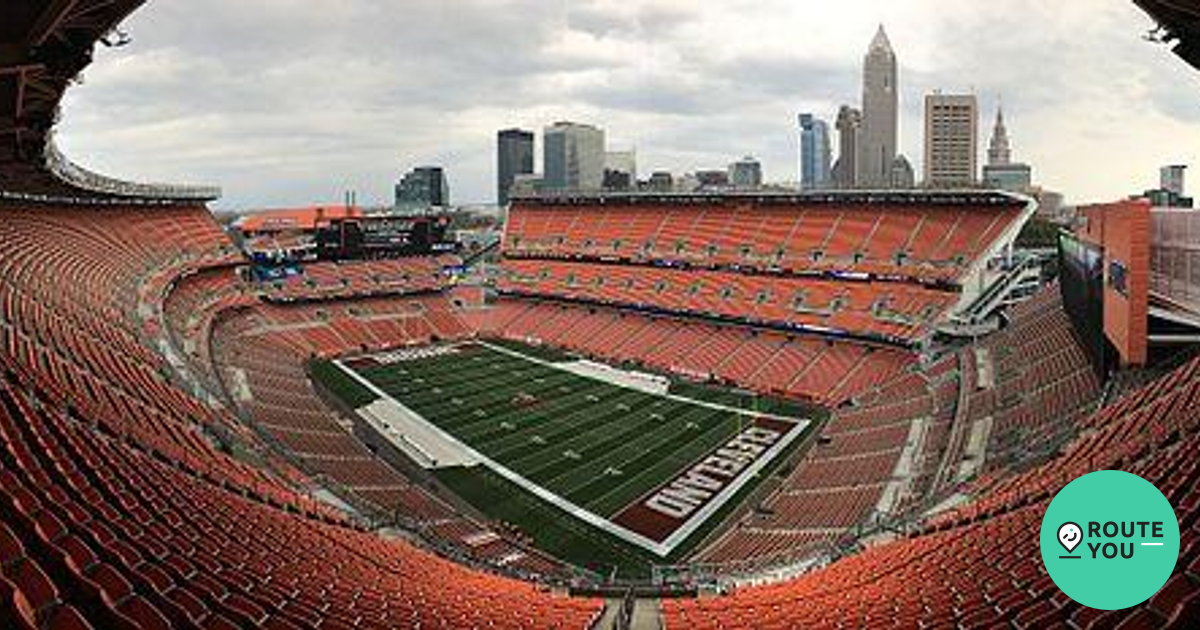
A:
[(717, 428), (586, 440), (555, 425), (659, 436)]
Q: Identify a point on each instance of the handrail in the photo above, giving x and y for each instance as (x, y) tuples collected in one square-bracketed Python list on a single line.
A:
[(999, 288), (771, 568)]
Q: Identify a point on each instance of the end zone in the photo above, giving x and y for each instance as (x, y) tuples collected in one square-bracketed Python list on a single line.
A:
[(671, 512)]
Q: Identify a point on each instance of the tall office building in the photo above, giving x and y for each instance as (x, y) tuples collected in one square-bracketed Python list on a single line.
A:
[(951, 140), (421, 189), (1001, 172), (849, 126), (1172, 188), (814, 153), (573, 157), (880, 114), (514, 156), (746, 173)]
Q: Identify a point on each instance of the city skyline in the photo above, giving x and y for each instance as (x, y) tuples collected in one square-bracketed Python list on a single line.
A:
[(690, 90)]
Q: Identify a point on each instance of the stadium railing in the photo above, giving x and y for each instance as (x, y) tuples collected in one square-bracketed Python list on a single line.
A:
[(93, 182)]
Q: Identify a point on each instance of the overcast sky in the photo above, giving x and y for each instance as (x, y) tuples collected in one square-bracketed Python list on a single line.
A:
[(287, 102)]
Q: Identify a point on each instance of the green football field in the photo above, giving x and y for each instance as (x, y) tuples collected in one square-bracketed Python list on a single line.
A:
[(595, 444), (598, 445)]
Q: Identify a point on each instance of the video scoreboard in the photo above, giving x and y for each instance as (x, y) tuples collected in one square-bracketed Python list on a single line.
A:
[(381, 237)]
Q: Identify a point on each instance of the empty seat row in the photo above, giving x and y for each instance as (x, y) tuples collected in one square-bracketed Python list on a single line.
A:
[(874, 309), (936, 242), (802, 366)]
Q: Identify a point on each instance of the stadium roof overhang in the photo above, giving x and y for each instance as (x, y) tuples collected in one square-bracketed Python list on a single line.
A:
[(44, 45), (1179, 24)]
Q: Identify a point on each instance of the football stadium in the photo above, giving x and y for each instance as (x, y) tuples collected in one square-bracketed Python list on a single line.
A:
[(734, 408)]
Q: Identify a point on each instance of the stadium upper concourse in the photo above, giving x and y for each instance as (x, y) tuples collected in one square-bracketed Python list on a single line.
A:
[(166, 460)]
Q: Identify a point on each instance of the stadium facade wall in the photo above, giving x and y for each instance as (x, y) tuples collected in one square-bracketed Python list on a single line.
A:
[(1122, 231)]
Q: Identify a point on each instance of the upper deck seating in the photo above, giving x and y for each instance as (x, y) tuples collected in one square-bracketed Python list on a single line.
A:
[(874, 309), (931, 242)]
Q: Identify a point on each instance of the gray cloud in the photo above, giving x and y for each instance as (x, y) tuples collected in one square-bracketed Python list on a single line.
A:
[(629, 20), (294, 101)]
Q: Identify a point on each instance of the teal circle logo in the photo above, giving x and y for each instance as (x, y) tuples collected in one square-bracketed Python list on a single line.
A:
[(1110, 540)]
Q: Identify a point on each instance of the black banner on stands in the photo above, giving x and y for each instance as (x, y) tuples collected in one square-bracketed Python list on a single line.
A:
[(1082, 286)]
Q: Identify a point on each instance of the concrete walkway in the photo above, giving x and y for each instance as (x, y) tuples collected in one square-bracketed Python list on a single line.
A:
[(647, 615)]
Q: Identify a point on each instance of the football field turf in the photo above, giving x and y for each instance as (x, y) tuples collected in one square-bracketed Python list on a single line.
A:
[(596, 444)]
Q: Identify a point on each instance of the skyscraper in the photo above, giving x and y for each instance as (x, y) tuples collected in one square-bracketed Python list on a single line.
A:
[(951, 140), (880, 114), (514, 156), (1001, 171), (814, 153), (421, 189), (849, 126), (573, 157)]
